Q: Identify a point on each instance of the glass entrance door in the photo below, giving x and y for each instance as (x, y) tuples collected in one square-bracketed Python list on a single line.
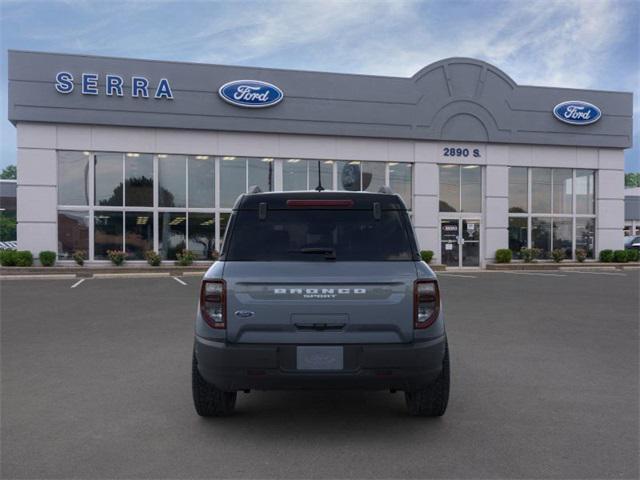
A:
[(470, 243), (460, 242), (450, 247)]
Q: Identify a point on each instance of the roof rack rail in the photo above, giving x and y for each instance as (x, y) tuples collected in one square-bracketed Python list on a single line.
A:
[(386, 189), (254, 189)]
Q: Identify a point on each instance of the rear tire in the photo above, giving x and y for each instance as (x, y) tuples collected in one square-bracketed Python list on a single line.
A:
[(432, 400), (208, 400)]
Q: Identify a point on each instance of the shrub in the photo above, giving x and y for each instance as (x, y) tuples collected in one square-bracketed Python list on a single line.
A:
[(185, 258), (558, 255), (633, 255), (526, 254), (426, 255), (215, 255), (47, 258), (620, 256), (8, 258), (153, 258), (24, 258), (117, 257), (581, 254), (503, 255), (606, 256), (79, 256)]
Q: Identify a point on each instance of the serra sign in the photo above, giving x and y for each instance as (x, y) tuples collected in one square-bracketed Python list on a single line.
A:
[(113, 85)]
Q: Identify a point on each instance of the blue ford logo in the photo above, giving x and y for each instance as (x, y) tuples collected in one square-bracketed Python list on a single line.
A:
[(244, 313), (577, 112), (251, 93)]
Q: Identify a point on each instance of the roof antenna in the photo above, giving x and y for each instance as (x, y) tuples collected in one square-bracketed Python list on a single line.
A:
[(319, 188)]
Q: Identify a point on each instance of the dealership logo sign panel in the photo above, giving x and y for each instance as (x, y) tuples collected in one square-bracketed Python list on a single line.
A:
[(577, 112), (251, 93)]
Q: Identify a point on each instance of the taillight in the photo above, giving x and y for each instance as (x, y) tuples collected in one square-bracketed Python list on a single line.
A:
[(426, 303), (213, 300)]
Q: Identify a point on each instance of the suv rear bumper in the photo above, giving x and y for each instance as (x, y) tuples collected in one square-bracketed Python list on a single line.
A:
[(232, 367)]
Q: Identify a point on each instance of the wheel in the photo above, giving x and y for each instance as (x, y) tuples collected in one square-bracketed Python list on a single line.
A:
[(208, 400), (432, 400)]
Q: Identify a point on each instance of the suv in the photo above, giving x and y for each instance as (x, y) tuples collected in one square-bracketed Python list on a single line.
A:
[(319, 290)]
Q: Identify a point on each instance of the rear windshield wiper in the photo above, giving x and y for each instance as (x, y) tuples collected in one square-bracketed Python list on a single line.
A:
[(329, 253)]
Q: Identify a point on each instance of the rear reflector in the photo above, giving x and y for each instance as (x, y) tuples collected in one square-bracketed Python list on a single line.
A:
[(319, 203)]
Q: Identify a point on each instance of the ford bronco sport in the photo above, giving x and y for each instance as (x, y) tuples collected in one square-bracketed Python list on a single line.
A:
[(319, 290)]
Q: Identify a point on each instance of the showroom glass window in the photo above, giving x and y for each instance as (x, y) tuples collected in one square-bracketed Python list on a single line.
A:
[(300, 174), (137, 202), (460, 188), (553, 209), (73, 178)]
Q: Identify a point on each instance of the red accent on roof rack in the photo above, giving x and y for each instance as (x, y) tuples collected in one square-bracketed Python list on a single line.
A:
[(320, 203)]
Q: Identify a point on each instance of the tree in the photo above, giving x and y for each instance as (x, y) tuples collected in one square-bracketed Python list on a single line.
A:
[(632, 179), (9, 173)]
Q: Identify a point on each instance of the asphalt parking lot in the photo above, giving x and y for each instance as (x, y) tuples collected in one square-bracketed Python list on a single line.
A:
[(96, 384)]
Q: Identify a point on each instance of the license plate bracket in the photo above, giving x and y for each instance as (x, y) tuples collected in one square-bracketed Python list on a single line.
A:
[(317, 358)]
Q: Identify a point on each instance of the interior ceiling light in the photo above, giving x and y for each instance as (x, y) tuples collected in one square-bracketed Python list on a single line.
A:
[(355, 162), (470, 166), (162, 155), (293, 160), (393, 164), (267, 159), (202, 157), (133, 154), (228, 158)]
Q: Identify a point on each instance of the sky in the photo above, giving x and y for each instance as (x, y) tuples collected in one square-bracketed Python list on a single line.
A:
[(564, 43)]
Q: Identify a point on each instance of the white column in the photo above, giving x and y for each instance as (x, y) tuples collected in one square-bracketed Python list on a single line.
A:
[(610, 200), (37, 188), (496, 210), (426, 188)]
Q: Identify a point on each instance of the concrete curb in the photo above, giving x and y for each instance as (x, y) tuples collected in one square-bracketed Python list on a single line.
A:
[(561, 266), (100, 272)]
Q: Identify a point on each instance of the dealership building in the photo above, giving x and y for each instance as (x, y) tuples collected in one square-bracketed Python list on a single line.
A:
[(138, 155)]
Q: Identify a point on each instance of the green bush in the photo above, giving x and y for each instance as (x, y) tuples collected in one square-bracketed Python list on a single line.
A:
[(8, 258), (503, 255), (79, 256), (24, 258), (426, 255), (633, 255), (528, 254), (153, 258), (581, 254), (558, 255), (117, 257), (606, 256), (620, 256), (47, 258), (185, 258)]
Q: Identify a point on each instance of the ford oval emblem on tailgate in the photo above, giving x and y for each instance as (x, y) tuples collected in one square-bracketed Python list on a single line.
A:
[(244, 313)]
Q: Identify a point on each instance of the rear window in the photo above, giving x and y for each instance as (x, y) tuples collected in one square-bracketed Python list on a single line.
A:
[(319, 235)]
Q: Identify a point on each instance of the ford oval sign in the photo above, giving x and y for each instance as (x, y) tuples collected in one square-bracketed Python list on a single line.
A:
[(251, 93), (577, 112)]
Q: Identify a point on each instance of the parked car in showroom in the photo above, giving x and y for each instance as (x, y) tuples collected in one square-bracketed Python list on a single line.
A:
[(320, 290), (632, 241)]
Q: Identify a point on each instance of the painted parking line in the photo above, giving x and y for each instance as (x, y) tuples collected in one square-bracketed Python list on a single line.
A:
[(78, 283), (599, 273), (537, 274), (179, 281), (455, 275)]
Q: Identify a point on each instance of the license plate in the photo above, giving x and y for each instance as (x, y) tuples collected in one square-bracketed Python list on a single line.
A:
[(320, 358)]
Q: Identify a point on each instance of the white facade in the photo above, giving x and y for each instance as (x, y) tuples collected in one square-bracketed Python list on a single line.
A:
[(37, 173)]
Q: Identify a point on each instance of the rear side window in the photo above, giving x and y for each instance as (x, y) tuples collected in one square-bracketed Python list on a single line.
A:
[(318, 235)]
